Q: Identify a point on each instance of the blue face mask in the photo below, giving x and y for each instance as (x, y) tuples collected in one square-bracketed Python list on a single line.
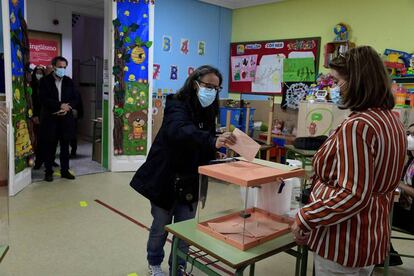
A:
[(60, 72), (335, 93), (206, 96)]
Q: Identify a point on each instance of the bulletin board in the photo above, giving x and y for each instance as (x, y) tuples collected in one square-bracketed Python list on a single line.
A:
[(262, 67)]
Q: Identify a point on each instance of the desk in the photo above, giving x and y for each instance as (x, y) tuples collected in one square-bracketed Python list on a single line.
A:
[(227, 254), (305, 156), (289, 139), (278, 150)]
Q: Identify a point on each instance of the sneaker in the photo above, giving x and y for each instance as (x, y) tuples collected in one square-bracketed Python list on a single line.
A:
[(67, 175), (37, 166), (49, 177), (156, 270)]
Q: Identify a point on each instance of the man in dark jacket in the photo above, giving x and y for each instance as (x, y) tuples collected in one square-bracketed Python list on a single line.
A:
[(58, 96)]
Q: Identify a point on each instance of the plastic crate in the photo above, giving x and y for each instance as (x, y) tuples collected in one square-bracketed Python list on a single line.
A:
[(243, 116), (279, 141), (235, 116)]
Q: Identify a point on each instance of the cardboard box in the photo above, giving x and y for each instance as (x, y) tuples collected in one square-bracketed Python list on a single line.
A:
[(319, 118)]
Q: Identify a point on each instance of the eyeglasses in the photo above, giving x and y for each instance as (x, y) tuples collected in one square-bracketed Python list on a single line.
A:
[(212, 86)]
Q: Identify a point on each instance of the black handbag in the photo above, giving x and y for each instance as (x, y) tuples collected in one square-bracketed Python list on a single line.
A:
[(186, 188)]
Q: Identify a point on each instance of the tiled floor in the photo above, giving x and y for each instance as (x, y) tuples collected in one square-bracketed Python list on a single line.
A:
[(50, 233)]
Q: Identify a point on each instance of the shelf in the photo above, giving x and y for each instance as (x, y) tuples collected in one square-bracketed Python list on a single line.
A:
[(403, 79), (339, 42)]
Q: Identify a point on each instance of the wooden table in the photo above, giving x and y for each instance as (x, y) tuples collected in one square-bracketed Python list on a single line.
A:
[(227, 254)]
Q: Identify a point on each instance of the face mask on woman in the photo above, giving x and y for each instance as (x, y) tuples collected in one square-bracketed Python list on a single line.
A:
[(39, 76), (410, 145), (206, 96), (335, 93)]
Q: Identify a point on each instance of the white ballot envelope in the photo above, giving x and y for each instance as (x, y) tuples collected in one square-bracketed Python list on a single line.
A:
[(245, 146)]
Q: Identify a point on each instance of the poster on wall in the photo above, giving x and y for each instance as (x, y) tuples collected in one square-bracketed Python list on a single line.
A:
[(298, 69), (201, 48), (258, 66), (131, 95), (269, 74), (243, 68), (173, 72), (190, 70), (166, 43), (185, 46), (44, 47), (156, 71)]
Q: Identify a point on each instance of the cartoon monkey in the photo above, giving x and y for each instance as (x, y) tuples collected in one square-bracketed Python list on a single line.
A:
[(137, 121)]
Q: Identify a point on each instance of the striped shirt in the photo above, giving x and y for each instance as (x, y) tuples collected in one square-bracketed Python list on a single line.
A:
[(356, 171)]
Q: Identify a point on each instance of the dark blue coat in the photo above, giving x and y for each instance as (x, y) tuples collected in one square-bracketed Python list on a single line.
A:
[(182, 144), (49, 98)]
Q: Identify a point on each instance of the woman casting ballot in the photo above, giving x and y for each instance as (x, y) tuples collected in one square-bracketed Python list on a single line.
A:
[(185, 141)]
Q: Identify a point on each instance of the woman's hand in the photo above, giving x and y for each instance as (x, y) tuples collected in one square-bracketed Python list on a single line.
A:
[(299, 236), (220, 155), (226, 139)]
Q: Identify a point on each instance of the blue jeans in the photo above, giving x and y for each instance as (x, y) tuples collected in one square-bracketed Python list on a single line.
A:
[(158, 235)]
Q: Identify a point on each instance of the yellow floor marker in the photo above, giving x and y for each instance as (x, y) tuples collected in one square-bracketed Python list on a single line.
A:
[(83, 204), (132, 274)]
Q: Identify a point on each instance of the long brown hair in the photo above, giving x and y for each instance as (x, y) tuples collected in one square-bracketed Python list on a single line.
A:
[(368, 84)]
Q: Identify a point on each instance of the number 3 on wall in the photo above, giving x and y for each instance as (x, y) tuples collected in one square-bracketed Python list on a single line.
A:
[(166, 43), (185, 44)]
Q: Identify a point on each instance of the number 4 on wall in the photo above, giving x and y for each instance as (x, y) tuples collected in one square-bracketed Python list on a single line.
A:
[(185, 46)]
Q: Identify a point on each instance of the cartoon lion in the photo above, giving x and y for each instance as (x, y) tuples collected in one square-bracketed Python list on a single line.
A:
[(137, 121)]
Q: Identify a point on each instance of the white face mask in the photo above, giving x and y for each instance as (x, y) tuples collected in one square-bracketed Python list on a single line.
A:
[(410, 145), (39, 76)]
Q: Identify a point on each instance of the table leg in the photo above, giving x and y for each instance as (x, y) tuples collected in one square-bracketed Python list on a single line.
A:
[(252, 269), (239, 271), (304, 262), (174, 267), (298, 262)]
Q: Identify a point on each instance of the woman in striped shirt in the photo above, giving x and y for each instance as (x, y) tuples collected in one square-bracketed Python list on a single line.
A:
[(357, 169)]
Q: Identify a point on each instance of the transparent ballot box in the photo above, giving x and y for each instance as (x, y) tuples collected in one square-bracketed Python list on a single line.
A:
[(249, 211)]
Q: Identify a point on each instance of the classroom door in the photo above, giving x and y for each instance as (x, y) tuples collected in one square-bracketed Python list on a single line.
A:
[(17, 95), (127, 87)]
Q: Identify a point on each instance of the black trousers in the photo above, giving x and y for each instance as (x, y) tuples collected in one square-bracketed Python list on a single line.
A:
[(74, 141), (50, 151)]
